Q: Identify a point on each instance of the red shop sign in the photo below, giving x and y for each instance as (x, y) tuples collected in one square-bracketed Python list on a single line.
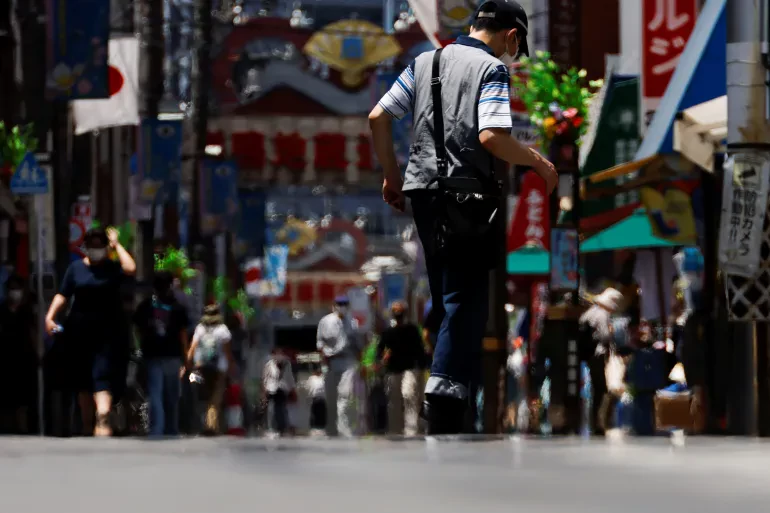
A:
[(666, 28), (531, 223)]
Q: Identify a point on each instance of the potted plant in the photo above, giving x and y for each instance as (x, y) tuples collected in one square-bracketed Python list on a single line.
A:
[(14, 144), (557, 100)]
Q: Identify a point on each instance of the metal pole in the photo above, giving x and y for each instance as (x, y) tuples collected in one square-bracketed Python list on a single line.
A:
[(151, 77), (201, 80), (41, 306), (747, 135)]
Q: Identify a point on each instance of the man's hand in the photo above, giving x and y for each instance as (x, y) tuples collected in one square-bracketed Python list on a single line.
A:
[(547, 172), (392, 194)]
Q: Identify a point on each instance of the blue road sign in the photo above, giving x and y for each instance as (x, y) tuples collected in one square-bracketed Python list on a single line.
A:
[(29, 178)]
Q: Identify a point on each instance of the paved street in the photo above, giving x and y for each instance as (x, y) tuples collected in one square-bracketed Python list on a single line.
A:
[(378, 475)]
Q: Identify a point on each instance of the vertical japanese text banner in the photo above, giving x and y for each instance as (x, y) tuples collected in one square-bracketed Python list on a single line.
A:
[(666, 28), (77, 49), (564, 259), (531, 223), (219, 195), (250, 238), (159, 161), (401, 128)]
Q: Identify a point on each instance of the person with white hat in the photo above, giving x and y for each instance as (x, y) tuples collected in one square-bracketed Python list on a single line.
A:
[(597, 341)]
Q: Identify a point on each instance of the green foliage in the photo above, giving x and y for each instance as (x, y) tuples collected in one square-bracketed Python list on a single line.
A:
[(549, 95), (240, 304), (221, 289), (15, 143)]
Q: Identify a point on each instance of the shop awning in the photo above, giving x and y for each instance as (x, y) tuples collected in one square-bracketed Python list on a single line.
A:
[(529, 261), (700, 131), (634, 232), (700, 76)]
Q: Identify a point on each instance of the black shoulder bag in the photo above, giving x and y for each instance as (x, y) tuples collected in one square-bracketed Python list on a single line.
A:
[(467, 209)]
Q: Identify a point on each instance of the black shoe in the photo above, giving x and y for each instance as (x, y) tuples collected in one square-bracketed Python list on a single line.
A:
[(444, 415)]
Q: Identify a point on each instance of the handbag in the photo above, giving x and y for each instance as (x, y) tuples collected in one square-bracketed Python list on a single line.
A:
[(467, 209), (615, 373)]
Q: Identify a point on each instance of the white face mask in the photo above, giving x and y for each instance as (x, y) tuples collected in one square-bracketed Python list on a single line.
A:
[(507, 58), (96, 255), (15, 295)]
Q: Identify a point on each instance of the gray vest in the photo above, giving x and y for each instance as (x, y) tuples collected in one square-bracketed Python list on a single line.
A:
[(462, 70)]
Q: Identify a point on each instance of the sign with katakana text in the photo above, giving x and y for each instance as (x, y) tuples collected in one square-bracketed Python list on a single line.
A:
[(666, 28), (531, 224), (744, 203)]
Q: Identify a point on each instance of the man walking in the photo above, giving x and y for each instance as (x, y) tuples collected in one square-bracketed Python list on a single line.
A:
[(459, 97), (338, 343)]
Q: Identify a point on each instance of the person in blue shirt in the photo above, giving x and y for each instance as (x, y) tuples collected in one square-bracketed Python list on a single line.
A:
[(96, 324)]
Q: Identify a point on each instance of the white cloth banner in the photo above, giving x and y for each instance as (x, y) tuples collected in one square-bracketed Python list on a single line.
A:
[(426, 12), (121, 108)]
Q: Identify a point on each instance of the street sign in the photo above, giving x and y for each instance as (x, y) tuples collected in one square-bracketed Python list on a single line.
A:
[(29, 178)]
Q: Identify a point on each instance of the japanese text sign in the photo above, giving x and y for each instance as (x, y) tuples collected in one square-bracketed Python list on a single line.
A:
[(744, 203), (667, 26), (531, 223)]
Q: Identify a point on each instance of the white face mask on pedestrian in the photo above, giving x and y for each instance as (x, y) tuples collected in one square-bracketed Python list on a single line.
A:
[(96, 254), (507, 58)]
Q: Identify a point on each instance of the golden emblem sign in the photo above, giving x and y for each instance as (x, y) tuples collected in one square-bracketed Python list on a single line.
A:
[(373, 46)]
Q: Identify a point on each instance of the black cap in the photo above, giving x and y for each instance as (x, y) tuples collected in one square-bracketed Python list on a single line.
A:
[(510, 15)]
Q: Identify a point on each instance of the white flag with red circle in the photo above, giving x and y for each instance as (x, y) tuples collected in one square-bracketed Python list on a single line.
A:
[(122, 107)]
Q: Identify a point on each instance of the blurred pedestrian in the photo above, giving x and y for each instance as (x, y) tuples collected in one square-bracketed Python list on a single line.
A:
[(17, 346), (402, 354), (280, 390), (211, 357), (93, 327), (598, 348), (314, 385), (162, 327), (340, 346)]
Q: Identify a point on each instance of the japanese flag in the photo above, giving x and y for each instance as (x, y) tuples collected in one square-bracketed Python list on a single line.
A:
[(253, 277), (121, 108)]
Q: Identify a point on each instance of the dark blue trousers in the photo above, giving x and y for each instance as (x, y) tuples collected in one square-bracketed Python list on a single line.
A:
[(459, 286)]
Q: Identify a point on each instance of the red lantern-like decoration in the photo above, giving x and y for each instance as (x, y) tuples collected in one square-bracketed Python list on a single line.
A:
[(289, 152), (330, 152)]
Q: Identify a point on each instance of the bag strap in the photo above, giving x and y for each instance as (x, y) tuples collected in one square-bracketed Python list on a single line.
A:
[(438, 116)]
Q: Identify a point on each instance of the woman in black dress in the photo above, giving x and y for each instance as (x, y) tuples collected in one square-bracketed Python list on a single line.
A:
[(93, 328)]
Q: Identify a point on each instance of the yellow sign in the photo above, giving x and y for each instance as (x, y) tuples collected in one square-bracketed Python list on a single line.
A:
[(297, 235), (671, 215), (374, 46)]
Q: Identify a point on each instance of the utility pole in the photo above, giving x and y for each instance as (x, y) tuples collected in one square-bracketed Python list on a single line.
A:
[(152, 49), (199, 116), (747, 137), (494, 345), (8, 100)]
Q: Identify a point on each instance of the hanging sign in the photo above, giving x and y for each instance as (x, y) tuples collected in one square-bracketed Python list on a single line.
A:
[(564, 259), (159, 161), (77, 49), (744, 203), (531, 223), (666, 27)]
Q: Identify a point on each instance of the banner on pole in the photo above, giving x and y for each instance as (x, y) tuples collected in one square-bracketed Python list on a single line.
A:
[(78, 35), (219, 195), (159, 161)]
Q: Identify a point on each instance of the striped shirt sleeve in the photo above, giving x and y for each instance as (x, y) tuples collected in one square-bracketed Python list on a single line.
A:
[(495, 100), (399, 101)]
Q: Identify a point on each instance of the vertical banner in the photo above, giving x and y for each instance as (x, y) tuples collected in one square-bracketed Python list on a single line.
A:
[(564, 259), (744, 204), (276, 261), (393, 287), (402, 129), (78, 34), (250, 237), (666, 28), (219, 195), (159, 161), (531, 224), (563, 32)]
